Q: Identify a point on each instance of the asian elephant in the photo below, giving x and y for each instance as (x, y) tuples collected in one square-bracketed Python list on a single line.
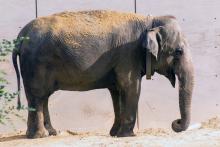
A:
[(87, 50)]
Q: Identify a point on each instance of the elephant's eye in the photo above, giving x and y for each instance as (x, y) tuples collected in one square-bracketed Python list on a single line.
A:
[(178, 52)]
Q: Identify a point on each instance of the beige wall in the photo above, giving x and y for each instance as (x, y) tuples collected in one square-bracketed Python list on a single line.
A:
[(16, 13)]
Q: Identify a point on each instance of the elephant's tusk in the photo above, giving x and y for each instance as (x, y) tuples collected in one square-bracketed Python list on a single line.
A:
[(138, 120), (148, 65)]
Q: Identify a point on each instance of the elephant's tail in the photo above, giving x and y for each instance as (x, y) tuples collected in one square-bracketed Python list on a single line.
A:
[(15, 53)]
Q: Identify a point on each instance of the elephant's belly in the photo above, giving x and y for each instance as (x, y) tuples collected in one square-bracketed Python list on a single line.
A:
[(85, 81)]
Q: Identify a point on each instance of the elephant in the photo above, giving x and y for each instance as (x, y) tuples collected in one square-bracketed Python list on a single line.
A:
[(97, 49)]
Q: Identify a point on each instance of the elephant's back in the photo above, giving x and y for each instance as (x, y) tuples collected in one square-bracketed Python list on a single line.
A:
[(85, 23), (97, 22), (83, 32), (76, 29)]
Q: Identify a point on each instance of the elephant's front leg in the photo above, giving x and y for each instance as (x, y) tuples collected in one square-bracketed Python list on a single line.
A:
[(130, 96), (116, 99)]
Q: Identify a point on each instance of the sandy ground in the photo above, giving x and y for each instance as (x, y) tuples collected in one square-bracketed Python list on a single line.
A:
[(206, 134), (158, 106)]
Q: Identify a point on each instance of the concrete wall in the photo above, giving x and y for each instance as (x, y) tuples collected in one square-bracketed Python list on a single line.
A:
[(16, 13)]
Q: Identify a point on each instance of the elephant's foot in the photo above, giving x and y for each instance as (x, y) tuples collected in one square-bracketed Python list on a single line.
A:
[(114, 129), (36, 134), (125, 133), (52, 131)]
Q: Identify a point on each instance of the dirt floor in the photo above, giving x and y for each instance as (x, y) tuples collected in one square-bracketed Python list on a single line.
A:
[(206, 134)]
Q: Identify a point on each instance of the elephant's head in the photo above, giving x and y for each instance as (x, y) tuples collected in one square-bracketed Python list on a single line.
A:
[(166, 46)]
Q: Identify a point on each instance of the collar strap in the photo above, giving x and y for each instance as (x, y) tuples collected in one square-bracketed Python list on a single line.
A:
[(148, 65)]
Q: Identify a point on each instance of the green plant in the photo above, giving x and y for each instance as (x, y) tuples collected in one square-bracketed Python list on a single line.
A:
[(7, 104)]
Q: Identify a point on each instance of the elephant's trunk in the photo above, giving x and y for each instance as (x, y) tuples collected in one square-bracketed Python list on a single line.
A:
[(185, 74)]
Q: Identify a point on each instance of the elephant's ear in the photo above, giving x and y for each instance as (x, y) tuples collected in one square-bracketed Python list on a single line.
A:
[(152, 43)]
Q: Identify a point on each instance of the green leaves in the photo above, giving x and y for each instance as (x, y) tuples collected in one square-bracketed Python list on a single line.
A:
[(8, 109), (7, 46)]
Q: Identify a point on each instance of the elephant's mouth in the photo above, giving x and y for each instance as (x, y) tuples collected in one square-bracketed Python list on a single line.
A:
[(168, 72), (154, 67)]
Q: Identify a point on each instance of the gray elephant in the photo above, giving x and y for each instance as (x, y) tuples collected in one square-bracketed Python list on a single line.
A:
[(87, 50)]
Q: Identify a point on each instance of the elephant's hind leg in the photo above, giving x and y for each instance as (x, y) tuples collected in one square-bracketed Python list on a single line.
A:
[(38, 88), (47, 122), (35, 124)]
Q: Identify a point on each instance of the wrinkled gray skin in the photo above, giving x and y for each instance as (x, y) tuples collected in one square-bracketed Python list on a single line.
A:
[(117, 62)]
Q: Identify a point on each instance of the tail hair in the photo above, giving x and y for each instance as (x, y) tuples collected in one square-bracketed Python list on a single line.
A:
[(14, 59)]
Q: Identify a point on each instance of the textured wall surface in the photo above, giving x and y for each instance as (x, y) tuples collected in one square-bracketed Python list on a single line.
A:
[(158, 107)]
